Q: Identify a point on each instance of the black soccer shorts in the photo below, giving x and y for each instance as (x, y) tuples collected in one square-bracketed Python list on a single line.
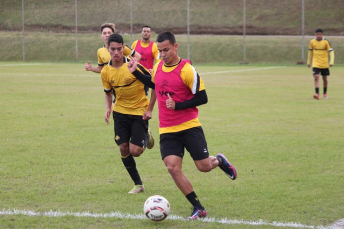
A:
[(193, 140)]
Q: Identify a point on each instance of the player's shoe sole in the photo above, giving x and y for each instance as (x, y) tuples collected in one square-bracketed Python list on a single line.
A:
[(197, 213), (316, 96), (137, 189), (227, 167)]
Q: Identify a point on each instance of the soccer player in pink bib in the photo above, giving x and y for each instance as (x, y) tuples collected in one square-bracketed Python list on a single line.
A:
[(179, 90)]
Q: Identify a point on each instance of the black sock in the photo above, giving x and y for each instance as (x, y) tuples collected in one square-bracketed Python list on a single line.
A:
[(317, 90), (130, 165), (193, 199), (325, 90)]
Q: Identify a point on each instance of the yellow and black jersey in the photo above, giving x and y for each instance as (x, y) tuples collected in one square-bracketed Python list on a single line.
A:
[(319, 52), (104, 55), (130, 94)]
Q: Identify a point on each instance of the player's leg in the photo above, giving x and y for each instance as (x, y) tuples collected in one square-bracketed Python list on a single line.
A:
[(172, 152), (325, 73), (196, 144), (122, 137), (139, 137), (316, 72)]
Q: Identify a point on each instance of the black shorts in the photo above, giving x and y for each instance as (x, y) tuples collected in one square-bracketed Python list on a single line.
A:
[(193, 140), (323, 71), (130, 128)]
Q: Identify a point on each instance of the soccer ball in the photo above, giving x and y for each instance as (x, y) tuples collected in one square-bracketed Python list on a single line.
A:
[(156, 208)]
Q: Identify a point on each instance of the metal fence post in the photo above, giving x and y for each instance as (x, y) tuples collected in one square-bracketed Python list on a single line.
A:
[(23, 33), (76, 30)]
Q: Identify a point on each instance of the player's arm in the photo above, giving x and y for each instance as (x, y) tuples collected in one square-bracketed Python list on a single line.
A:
[(199, 98), (98, 69), (148, 114), (108, 96), (191, 79), (310, 54), (131, 52), (108, 104), (331, 52), (145, 79), (156, 53), (331, 58)]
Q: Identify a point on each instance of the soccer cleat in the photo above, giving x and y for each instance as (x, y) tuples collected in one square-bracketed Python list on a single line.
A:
[(150, 143), (325, 96), (226, 166), (137, 189), (197, 213), (316, 96)]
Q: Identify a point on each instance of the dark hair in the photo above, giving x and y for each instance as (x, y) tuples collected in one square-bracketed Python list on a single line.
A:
[(319, 31), (146, 26), (163, 36), (107, 25), (115, 38)]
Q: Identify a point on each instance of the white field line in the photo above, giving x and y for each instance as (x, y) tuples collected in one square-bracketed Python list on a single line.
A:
[(97, 75), (242, 70), (18, 65), (142, 216), (49, 74)]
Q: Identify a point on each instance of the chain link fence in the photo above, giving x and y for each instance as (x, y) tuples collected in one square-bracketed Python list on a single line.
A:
[(229, 30)]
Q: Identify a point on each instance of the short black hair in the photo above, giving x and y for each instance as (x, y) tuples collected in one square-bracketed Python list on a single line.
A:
[(319, 31), (115, 38), (163, 36), (146, 26)]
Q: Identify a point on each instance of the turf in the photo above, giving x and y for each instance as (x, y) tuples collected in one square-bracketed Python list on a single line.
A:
[(57, 153)]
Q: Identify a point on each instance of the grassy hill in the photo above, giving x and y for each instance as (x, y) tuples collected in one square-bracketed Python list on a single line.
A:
[(273, 17)]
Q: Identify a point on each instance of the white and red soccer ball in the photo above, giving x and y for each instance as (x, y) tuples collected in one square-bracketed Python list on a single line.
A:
[(156, 208)]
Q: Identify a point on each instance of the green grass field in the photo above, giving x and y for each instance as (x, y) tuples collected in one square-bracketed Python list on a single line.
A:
[(58, 157)]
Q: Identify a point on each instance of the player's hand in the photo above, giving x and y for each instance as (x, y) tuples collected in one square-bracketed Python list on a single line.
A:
[(147, 115), (170, 104), (331, 65), (308, 65), (88, 66), (132, 65), (150, 71), (107, 116)]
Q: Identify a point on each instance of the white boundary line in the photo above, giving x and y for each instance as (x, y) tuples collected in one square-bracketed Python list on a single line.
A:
[(242, 70), (92, 75), (142, 216), (18, 65)]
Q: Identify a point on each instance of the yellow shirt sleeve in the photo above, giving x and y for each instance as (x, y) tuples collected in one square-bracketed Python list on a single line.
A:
[(331, 57), (133, 46), (191, 78)]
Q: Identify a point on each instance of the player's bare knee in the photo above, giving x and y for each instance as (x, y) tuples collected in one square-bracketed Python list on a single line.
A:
[(136, 152), (173, 170), (124, 149)]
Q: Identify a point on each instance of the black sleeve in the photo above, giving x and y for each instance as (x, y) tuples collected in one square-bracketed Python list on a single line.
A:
[(198, 99), (145, 79)]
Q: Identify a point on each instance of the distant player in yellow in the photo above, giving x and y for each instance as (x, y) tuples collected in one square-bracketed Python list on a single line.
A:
[(318, 54), (103, 54), (131, 111)]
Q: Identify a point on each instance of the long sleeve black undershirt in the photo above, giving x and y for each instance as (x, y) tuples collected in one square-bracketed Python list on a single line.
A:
[(199, 98)]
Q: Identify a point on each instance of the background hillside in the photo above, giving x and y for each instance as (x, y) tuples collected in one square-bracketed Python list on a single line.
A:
[(263, 17), (216, 28)]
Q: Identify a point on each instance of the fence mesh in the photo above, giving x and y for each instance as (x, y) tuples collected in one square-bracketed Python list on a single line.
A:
[(68, 30)]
